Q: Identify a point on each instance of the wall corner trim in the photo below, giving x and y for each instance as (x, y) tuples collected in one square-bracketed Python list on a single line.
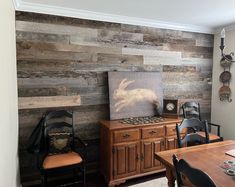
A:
[(84, 14)]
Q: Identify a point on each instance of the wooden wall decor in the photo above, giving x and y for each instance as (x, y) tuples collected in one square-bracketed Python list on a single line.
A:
[(225, 77), (134, 94), (61, 56)]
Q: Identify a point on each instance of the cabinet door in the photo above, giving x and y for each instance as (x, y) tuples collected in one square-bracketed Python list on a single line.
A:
[(148, 148), (171, 143), (126, 160)]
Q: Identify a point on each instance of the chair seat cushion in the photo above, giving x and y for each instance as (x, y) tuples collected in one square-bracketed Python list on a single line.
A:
[(61, 160), (211, 136)]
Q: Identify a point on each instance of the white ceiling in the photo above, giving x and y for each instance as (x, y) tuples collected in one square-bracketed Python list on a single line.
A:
[(191, 15)]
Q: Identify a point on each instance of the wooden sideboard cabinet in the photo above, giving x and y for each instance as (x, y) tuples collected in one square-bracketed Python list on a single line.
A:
[(127, 151)]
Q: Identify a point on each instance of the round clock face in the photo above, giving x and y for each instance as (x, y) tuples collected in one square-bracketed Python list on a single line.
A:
[(170, 106)]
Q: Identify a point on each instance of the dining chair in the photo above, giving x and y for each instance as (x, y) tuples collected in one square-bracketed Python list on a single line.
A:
[(195, 176), (191, 109), (59, 153), (191, 137)]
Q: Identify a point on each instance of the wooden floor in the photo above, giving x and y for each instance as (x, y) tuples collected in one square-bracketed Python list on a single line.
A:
[(96, 180)]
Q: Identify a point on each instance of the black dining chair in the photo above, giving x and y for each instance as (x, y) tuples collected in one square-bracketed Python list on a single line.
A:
[(192, 110), (191, 137), (59, 152), (194, 175)]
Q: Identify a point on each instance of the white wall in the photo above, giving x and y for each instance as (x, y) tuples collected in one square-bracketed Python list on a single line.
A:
[(9, 176), (223, 113)]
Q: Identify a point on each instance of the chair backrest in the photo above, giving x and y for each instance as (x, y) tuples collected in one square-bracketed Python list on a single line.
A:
[(192, 137), (60, 121), (195, 176), (191, 110)]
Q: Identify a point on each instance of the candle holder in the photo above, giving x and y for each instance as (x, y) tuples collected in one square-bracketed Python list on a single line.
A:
[(225, 76)]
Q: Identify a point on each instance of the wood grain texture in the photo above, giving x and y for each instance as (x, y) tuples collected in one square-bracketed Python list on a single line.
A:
[(62, 57), (120, 143), (207, 157), (48, 102)]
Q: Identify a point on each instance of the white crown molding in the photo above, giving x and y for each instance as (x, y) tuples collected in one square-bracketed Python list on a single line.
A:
[(84, 14), (15, 3)]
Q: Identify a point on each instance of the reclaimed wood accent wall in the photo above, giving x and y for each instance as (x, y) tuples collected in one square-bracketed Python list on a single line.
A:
[(63, 62)]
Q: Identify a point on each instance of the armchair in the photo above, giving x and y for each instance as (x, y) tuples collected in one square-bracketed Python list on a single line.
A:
[(59, 153), (192, 110)]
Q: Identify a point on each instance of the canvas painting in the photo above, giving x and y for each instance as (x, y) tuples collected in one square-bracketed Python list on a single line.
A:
[(135, 94)]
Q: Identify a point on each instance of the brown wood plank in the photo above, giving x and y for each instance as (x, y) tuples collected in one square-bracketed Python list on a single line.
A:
[(60, 46)]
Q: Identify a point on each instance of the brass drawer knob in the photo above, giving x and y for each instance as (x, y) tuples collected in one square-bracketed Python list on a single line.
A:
[(152, 132), (126, 135)]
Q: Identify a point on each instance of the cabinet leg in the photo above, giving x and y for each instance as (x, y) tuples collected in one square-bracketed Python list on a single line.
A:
[(117, 183), (170, 177)]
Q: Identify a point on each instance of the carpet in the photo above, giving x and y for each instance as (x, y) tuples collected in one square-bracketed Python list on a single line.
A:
[(158, 182)]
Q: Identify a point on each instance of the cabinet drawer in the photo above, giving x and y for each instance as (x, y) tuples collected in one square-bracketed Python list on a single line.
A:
[(153, 132), (171, 130), (126, 135)]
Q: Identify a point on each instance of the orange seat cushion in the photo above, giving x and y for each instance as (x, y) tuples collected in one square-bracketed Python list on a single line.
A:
[(211, 136), (61, 160)]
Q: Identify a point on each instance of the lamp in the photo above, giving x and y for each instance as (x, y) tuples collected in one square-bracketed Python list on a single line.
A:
[(227, 57)]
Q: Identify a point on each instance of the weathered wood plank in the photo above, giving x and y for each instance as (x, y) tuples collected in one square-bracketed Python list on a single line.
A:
[(41, 37), (29, 54), (45, 18), (156, 32), (184, 95), (94, 99), (50, 28), (200, 61), (105, 35), (60, 46), (196, 55), (186, 87), (48, 102), (181, 76), (151, 52), (120, 59), (46, 82), (167, 68), (60, 90), (162, 60), (87, 67), (169, 40)]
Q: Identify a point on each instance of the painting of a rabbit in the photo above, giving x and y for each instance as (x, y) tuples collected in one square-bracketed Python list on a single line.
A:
[(134, 94)]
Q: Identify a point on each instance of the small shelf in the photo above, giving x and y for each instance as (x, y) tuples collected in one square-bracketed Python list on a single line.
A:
[(48, 102)]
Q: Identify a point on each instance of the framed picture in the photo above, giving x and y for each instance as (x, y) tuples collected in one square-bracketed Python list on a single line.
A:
[(135, 94), (170, 107)]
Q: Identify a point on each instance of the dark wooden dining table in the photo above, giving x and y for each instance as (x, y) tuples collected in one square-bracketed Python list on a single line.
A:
[(207, 157)]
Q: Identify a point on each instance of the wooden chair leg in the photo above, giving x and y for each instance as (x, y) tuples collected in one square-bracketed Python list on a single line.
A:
[(84, 175), (43, 180), (74, 175)]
